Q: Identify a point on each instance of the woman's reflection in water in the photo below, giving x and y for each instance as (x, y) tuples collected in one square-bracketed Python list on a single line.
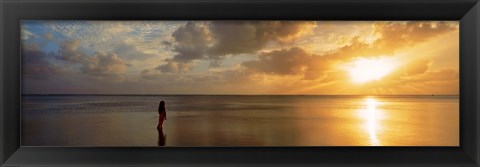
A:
[(162, 137)]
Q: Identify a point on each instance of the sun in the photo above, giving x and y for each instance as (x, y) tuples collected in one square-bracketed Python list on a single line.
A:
[(364, 70)]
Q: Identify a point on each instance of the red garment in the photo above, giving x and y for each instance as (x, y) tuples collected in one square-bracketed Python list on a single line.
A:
[(162, 117)]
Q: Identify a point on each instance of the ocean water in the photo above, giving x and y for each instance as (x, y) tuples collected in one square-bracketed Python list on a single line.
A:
[(240, 120)]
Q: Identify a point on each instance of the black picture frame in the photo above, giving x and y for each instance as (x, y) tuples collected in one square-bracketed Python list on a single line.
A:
[(13, 11)]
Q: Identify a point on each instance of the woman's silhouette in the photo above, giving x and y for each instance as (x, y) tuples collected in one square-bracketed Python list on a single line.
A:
[(162, 112), (162, 138)]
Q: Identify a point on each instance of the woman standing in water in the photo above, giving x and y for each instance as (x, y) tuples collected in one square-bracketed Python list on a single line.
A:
[(162, 111)]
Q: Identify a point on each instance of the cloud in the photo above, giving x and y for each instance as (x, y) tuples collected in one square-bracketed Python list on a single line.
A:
[(95, 34), (103, 65), (216, 39), (48, 36), (192, 42), (130, 50), (393, 36), (441, 81), (130, 40), (230, 76), (100, 64), (69, 51), (237, 37), (440, 75), (35, 63), (416, 77), (150, 74), (174, 67), (417, 66), (25, 34), (404, 34), (293, 61), (280, 62), (249, 56)]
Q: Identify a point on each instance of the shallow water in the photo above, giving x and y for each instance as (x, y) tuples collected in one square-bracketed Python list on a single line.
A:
[(241, 121)]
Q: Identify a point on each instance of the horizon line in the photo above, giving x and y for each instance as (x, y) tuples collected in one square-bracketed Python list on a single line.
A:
[(199, 94)]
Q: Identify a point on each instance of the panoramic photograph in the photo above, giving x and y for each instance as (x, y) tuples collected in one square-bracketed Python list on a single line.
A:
[(239, 83)]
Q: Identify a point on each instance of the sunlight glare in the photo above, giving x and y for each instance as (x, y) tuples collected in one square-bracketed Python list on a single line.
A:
[(364, 70)]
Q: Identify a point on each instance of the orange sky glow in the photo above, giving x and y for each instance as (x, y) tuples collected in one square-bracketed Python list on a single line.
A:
[(241, 57)]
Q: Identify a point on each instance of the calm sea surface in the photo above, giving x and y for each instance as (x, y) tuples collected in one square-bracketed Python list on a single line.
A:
[(241, 120)]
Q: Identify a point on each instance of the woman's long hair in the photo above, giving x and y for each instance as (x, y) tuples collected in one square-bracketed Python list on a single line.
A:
[(161, 106)]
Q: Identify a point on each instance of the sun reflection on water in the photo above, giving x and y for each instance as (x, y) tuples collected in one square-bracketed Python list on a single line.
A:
[(370, 115)]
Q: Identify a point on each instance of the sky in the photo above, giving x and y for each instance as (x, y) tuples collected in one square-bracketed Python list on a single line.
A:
[(240, 57)]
